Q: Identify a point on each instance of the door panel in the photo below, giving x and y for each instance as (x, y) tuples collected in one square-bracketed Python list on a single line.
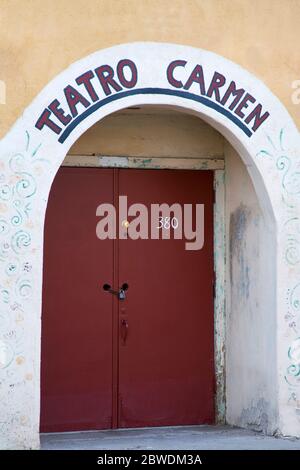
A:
[(147, 360), (166, 366), (76, 376)]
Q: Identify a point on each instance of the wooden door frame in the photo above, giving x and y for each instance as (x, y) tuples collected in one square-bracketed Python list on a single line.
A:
[(218, 166)]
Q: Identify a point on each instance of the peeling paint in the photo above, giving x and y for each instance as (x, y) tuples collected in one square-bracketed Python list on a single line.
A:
[(140, 162), (256, 417), (219, 301), (239, 220)]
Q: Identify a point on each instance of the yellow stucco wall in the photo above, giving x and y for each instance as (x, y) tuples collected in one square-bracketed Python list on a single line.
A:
[(39, 38)]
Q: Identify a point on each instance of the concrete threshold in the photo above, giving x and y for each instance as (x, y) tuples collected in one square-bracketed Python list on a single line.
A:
[(168, 438)]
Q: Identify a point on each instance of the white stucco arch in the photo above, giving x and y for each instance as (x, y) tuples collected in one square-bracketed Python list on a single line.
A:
[(30, 158)]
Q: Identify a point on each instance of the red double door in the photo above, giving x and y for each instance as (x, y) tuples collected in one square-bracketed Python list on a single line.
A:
[(146, 360)]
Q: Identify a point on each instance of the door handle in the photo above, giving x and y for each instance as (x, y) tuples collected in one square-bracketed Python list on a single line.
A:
[(119, 293), (124, 330)]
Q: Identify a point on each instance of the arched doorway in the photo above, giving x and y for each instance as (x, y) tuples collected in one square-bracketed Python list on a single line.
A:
[(252, 120)]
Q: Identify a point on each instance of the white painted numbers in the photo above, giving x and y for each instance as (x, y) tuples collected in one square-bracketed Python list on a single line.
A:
[(167, 222)]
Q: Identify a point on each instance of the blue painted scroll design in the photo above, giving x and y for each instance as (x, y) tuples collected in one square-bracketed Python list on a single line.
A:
[(18, 189), (289, 167)]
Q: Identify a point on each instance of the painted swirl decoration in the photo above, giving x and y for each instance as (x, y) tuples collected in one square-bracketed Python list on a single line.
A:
[(20, 241), (290, 183), (18, 187)]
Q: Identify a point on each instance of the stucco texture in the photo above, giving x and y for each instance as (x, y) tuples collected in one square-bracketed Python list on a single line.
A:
[(40, 38)]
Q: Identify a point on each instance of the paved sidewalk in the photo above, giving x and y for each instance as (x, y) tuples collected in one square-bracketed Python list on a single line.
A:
[(168, 438)]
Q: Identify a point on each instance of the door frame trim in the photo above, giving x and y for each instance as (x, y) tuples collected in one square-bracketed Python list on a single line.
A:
[(218, 166), (120, 161)]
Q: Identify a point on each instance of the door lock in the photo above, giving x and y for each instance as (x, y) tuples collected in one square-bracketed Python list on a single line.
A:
[(119, 293)]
